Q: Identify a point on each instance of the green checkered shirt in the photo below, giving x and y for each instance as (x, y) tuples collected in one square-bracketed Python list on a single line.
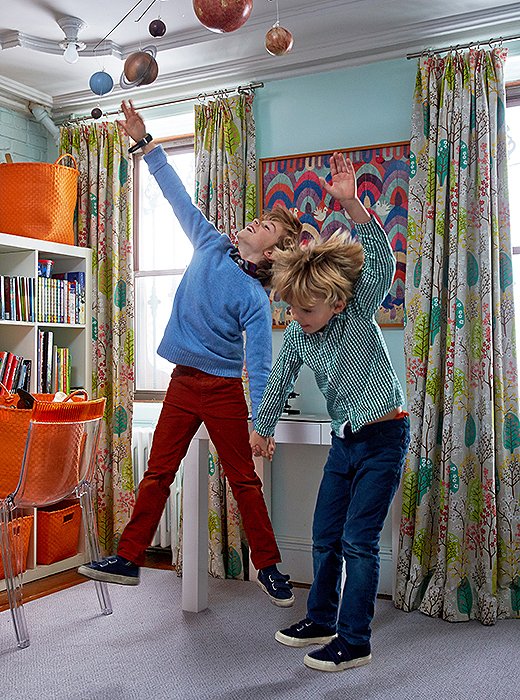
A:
[(349, 357)]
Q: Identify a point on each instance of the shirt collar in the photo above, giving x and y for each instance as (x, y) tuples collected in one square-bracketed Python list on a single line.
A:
[(246, 265)]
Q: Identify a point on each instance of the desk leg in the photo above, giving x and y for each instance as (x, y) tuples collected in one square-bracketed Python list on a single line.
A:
[(195, 528)]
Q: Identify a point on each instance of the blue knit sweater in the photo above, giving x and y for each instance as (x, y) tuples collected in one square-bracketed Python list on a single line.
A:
[(216, 300)]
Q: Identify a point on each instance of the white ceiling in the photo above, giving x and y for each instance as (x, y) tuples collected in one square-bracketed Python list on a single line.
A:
[(328, 34)]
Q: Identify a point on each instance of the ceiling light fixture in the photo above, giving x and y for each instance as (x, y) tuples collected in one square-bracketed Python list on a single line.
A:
[(71, 27)]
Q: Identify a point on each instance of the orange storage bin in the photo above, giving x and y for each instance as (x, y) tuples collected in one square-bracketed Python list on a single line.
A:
[(22, 527), (57, 533)]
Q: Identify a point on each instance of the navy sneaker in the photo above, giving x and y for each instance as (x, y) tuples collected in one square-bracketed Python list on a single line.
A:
[(276, 585), (338, 655), (304, 633), (113, 569)]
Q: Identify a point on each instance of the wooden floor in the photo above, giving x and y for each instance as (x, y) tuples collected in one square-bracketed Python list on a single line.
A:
[(155, 559)]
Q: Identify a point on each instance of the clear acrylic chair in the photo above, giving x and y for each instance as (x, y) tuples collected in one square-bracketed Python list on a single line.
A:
[(59, 462)]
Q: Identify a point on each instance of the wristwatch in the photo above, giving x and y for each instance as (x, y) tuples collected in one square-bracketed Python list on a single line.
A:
[(146, 139)]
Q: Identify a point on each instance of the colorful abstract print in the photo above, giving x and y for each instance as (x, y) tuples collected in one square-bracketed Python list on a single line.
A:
[(382, 176)]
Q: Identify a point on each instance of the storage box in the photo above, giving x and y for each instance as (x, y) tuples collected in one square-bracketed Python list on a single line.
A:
[(57, 532), (22, 528)]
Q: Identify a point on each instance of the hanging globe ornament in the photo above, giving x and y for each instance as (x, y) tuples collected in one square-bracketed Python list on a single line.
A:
[(96, 113), (101, 83), (140, 68), (157, 28), (222, 15), (278, 40)]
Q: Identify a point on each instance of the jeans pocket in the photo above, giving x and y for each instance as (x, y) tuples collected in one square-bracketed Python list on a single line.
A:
[(396, 433)]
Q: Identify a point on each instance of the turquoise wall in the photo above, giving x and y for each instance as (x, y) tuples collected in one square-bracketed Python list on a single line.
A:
[(358, 106), (23, 137)]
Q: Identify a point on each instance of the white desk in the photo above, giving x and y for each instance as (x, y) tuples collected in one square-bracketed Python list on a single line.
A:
[(299, 429)]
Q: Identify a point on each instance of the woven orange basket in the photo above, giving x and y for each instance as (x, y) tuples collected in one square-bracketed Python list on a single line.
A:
[(57, 532), (22, 527), (39, 199)]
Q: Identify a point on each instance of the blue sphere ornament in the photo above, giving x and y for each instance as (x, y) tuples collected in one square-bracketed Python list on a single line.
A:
[(101, 83)]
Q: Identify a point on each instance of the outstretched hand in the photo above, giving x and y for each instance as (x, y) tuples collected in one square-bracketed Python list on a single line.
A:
[(342, 185), (133, 123)]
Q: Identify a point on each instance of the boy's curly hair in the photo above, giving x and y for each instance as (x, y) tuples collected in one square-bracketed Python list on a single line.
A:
[(292, 227), (319, 271)]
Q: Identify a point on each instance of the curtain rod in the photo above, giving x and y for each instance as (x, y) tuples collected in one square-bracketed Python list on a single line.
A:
[(201, 96), (457, 47)]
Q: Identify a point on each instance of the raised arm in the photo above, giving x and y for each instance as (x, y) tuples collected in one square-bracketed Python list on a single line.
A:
[(194, 224), (343, 187), (379, 265)]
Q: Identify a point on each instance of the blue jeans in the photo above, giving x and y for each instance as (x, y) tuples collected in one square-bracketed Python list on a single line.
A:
[(360, 479)]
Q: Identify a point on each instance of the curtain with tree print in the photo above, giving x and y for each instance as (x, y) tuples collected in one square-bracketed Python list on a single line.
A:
[(459, 553), (104, 224), (225, 192)]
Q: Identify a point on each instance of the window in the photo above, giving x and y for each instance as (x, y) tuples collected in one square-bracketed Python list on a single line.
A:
[(513, 147), (162, 253)]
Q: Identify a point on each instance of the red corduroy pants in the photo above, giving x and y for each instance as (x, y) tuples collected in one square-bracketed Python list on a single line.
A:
[(194, 397)]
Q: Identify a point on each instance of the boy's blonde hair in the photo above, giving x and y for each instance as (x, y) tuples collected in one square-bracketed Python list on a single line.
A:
[(292, 227), (319, 271)]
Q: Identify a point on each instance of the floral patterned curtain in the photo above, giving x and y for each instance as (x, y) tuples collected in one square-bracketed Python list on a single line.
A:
[(104, 223), (459, 555), (225, 191)]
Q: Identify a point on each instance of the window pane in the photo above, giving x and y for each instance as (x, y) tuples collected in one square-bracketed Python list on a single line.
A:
[(163, 245), (513, 147), (513, 144), (153, 303)]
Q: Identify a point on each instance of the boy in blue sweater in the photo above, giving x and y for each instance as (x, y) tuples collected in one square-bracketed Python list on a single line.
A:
[(335, 289), (220, 296)]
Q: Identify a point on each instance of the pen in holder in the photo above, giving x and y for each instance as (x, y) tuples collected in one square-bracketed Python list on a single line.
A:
[(288, 409)]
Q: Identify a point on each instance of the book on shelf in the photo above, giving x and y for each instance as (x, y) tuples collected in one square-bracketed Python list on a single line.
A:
[(16, 298), (61, 298), (54, 365), (15, 371)]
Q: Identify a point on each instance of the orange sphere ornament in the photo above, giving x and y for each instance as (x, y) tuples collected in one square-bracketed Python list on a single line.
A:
[(278, 40), (222, 15)]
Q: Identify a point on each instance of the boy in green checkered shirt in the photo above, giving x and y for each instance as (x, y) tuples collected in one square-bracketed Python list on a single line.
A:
[(334, 289)]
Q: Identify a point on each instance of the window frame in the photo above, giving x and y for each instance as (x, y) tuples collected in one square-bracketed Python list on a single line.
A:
[(513, 100), (171, 144)]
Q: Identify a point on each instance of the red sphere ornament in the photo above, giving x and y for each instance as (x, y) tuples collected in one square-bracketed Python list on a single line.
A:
[(141, 68), (222, 15), (278, 41), (157, 27)]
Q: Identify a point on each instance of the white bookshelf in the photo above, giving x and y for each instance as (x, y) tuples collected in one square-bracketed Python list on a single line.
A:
[(19, 257)]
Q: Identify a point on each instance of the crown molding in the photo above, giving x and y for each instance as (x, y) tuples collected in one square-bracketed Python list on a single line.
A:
[(16, 96)]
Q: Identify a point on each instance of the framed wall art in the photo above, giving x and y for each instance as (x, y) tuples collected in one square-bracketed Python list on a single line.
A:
[(382, 178)]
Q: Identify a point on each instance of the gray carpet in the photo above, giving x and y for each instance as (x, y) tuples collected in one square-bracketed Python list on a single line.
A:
[(150, 649)]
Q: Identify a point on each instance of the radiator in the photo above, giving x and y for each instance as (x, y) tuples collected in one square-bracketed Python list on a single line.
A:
[(167, 534)]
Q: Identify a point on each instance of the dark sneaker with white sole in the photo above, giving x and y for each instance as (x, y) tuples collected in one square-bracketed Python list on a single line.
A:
[(113, 569), (304, 633), (338, 655), (276, 585)]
